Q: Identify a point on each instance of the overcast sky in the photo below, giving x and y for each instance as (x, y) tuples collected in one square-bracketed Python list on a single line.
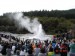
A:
[(29, 5)]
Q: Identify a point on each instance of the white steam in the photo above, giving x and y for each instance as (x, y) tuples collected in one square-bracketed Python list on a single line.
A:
[(32, 26)]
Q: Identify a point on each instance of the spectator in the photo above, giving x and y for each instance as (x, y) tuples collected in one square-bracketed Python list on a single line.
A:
[(51, 51), (13, 48), (63, 50), (22, 52), (42, 52), (53, 44), (30, 51), (1, 47), (57, 51), (36, 50), (8, 51), (4, 49), (72, 49)]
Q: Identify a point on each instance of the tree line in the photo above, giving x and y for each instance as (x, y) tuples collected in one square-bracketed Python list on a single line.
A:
[(53, 13), (52, 21)]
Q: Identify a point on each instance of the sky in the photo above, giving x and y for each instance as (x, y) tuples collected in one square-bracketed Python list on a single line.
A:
[(31, 5)]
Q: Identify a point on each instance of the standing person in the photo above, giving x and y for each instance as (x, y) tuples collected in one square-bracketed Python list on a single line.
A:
[(17, 49), (13, 48), (30, 51), (57, 50), (0, 39), (42, 52), (63, 49), (40, 45), (36, 50), (3, 52), (1, 47), (46, 43), (53, 44), (51, 51), (72, 49), (8, 51), (22, 52), (27, 45)]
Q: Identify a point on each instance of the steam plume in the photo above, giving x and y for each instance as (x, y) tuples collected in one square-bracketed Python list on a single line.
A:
[(32, 26)]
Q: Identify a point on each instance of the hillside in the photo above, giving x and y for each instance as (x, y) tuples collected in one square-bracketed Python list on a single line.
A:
[(53, 13), (53, 21)]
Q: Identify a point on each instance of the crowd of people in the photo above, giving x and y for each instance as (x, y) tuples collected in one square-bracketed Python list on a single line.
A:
[(56, 47), (8, 37)]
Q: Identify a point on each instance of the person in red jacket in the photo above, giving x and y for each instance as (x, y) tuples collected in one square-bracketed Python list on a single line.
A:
[(57, 50), (63, 49)]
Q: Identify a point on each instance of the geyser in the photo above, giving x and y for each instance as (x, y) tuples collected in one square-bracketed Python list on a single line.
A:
[(33, 26)]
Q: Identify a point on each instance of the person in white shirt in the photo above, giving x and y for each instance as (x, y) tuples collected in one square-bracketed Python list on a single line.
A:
[(22, 52), (13, 49), (1, 47), (36, 50)]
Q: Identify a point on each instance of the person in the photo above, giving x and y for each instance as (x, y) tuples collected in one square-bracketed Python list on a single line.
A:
[(40, 45), (30, 51), (57, 50), (22, 52), (72, 49), (46, 43), (53, 44), (17, 49), (36, 50), (17, 52), (51, 51), (1, 47), (63, 49), (42, 52), (8, 51), (3, 52), (13, 49), (27, 45)]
